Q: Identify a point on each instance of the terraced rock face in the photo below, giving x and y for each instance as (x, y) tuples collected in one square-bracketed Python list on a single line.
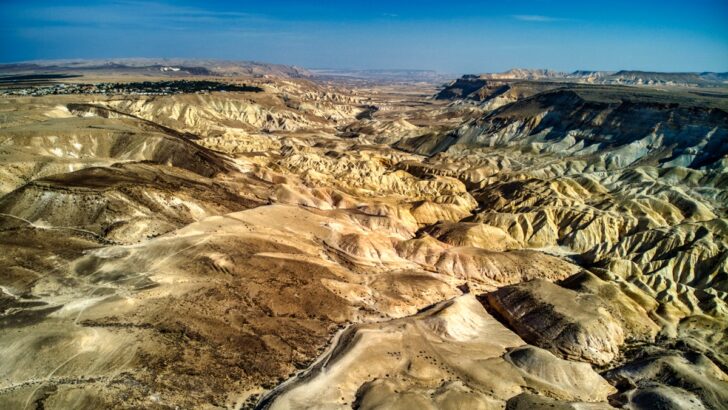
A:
[(519, 244), (612, 133), (577, 326), (470, 85)]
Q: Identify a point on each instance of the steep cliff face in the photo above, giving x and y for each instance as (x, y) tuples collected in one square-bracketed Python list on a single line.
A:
[(615, 133), (492, 93), (468, 86), (624, 77)]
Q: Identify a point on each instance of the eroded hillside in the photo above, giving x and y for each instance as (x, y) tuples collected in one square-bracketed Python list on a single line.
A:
[(508, 244)]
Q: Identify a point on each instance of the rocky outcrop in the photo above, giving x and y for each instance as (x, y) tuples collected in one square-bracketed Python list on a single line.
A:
[(576, 326), (671, 380)]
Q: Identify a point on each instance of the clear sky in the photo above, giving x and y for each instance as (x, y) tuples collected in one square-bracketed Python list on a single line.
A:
[(448, 36)]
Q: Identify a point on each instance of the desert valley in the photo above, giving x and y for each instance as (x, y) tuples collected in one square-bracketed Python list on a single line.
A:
[(214, 234)]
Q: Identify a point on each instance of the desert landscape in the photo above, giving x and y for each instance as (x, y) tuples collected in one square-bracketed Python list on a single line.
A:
[(219, 234)]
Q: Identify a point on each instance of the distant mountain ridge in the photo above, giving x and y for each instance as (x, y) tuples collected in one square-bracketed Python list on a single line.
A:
[(382, 75), (497, 89), (158, 66), (626, 77)]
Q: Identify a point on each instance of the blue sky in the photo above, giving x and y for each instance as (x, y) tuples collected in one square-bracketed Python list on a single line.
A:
[(448, 36)]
